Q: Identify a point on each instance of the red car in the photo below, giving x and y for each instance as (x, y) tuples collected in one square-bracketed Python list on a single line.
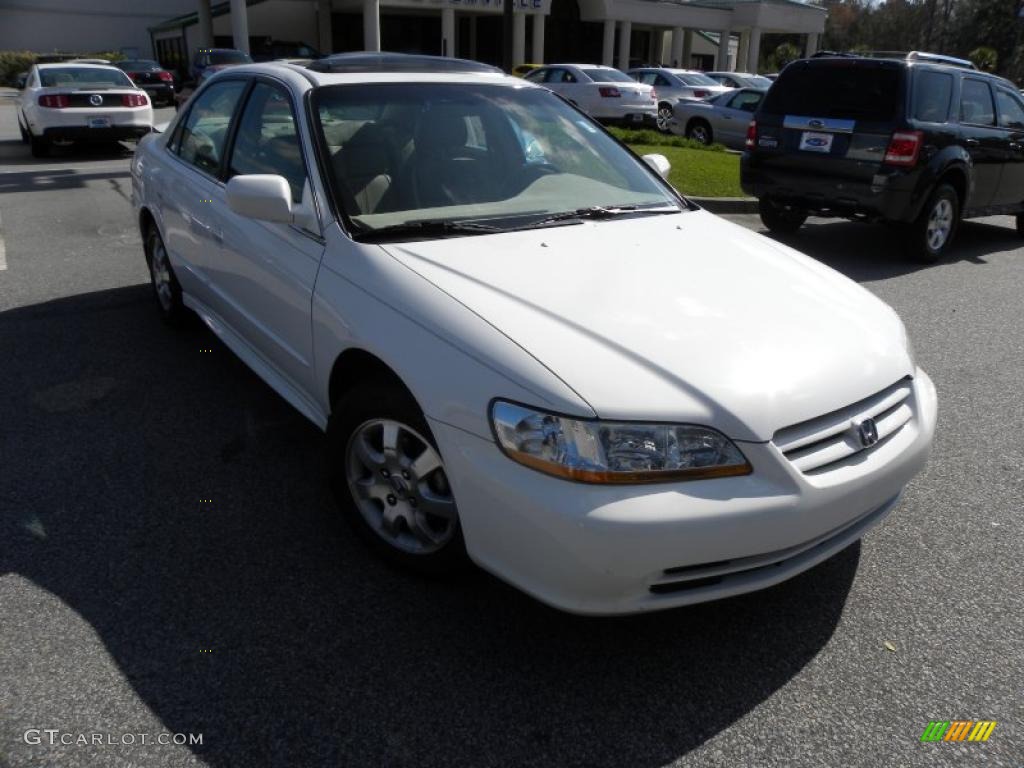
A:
[(151, 77)]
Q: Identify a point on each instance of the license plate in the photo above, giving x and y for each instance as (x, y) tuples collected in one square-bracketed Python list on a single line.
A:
[(636, 118), (99, 122), (812, 141)]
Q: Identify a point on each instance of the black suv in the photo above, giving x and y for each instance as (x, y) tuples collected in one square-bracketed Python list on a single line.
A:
[(921, 141)]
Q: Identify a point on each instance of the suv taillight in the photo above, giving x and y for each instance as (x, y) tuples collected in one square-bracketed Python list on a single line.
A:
[(609, 92), (904, 147), (134, 100), (751, 141), (54, 101)]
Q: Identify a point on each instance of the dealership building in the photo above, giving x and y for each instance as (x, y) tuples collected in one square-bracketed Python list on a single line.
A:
[(704, 34)]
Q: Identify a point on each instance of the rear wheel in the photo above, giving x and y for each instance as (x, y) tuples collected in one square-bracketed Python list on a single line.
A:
[(929, 238), (781, 218), (699, 131), (390, 480), (165, 285), (23, 132), (664, 117)]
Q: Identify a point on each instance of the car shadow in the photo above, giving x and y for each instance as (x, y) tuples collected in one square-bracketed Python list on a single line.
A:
[(14, 153), (160, 490), (865, 252)]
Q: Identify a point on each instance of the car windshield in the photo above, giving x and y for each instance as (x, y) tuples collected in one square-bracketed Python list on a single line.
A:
[(454, 153), (230, 57), (137, 65), (756, 81), (83, 77), (607, 75), (697, 79)]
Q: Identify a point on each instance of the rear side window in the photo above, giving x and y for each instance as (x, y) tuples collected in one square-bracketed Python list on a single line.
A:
[(1011, 109), (932, 94), (869, 93), (976, 103)]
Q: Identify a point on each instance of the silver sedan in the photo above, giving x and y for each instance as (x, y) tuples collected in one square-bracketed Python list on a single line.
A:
[(723, 119)]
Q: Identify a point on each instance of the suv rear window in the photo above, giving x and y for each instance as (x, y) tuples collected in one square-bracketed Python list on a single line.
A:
[(843, 90)]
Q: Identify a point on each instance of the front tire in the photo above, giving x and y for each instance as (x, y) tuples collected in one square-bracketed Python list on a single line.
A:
[(165, 284), (929, 238), (664, 118), (700, 131), (389, 479), (779, 218)]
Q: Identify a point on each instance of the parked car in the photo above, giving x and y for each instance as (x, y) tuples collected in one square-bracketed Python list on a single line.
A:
[(151, 77), (921, 142), (723, 119), (214, 57), (675, 85), (66, 103), (522, 343), (740, 79), (522, 70), (272, 50), (603, 93)]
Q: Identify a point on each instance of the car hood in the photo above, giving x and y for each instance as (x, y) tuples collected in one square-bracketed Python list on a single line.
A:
[(684, 318)]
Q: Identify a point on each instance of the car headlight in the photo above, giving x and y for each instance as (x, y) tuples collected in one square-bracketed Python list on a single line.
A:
[(593, 451)]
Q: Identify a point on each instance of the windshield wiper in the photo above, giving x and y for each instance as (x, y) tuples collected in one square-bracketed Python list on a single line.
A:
[(426, 229), (601, 212)]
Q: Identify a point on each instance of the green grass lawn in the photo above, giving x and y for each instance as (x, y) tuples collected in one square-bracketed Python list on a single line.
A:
[(698, 172)]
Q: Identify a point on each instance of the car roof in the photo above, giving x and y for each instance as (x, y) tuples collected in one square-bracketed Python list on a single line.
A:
[(74, 64), (303, 77)]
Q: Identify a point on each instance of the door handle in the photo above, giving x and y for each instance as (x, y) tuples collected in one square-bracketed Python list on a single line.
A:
[(1016, 146), (971, 142)]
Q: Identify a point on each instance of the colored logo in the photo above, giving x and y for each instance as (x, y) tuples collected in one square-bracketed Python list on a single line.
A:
[(816, 142), (958, 730)]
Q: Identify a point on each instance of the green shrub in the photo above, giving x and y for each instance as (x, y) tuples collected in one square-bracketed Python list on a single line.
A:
[(651, 138), (12, 63)]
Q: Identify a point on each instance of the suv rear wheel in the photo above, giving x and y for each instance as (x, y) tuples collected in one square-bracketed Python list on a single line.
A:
[(781, 218), (928, 239)]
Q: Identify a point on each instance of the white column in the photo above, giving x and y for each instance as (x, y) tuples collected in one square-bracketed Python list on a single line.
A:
[(676, 55), (625, 32), (240, 25), (608, 46), (205, 24), (658, 46), (742, 51), (323, 23), (538, 39), (754, 49), (448, 32), (518, 38), (371, 25), (724, 37), (812, 44), (687, 49)]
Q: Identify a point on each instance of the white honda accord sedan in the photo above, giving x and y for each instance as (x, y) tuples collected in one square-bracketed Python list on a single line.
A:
[(523, 345)]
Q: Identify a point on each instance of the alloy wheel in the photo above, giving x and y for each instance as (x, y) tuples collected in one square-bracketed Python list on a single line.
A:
[(664, 116), (398, 483), (160, 271), (940, 224)]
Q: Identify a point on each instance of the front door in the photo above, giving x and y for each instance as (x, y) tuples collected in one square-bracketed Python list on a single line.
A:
[(1010, 116)]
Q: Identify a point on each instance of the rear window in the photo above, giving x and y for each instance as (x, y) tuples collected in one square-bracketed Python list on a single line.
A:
[(83, 77), (932, 94), (868, 93), (607, 76), (697, 79)]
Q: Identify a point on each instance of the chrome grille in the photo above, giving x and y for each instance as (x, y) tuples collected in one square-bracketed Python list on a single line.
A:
[(814, 446)]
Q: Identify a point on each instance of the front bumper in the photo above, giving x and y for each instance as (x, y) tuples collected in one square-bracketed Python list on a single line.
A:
[(604, 550)]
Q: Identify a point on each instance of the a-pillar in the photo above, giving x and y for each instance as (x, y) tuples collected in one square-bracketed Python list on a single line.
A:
[(205, 24), (448, 32), (625, 33), (812, 44), (518, 37), (538, 39), (240, 25), (608, 44), (754, 49), (371, 25), (323, 24), (687, 49), (723, 50), (676, 55)]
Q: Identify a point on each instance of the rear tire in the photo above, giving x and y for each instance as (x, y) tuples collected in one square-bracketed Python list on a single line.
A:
[(40, 146), (779, 218), (394, 493), (23, 132), (700, 131), (928, 239), (166, 288), (664, 118)]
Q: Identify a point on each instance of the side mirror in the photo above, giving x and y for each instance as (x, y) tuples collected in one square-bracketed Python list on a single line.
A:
[(261, 196), (659, 163)]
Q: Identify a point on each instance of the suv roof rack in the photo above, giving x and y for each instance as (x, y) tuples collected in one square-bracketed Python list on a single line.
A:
[(935, 58), (370, 61)]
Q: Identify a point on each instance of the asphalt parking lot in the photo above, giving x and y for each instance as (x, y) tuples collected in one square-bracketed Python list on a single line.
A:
[(170, 563)]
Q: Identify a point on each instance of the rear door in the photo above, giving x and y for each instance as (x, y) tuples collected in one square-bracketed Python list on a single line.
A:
[(987, 144), (1010, 116), (832, 116)]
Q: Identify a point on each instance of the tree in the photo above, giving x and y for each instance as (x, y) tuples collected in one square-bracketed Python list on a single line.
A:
[(782, 55), (984, 58)]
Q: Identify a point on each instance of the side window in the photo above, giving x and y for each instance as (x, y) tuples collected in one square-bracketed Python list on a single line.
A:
[(1011, 110), (537, 76), (556, 76), (662, 82), (205, 130), (932, 94), (976, 103), (647, 78), (268, 139), (746, 101)]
